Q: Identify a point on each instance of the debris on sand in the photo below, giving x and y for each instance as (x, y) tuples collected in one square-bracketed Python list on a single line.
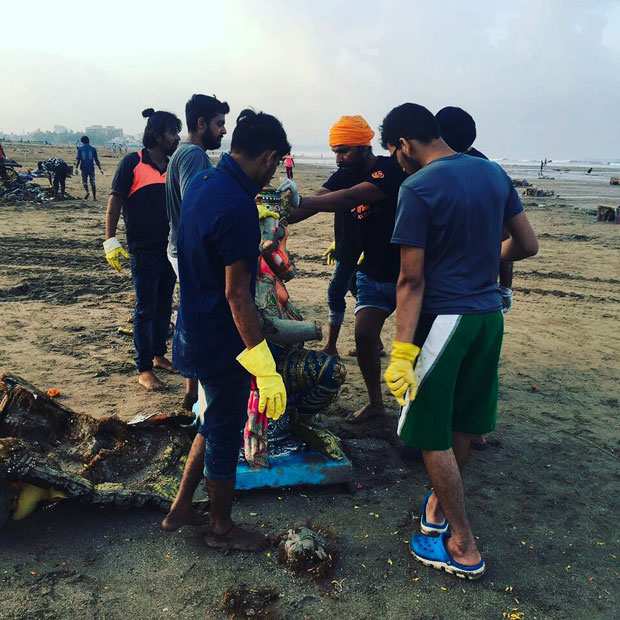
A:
[(19, 190), (520, 183), (532, 190), (244, 602), (304, 550), (101, 461)]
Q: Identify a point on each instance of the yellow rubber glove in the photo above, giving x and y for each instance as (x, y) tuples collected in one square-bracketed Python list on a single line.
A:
[(360, 260), (399, 375), (328, 255), (271, 391), (263, 212), (113, 252)]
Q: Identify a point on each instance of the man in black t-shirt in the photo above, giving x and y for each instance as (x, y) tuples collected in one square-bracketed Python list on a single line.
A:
[(366, 187), (138, 190)]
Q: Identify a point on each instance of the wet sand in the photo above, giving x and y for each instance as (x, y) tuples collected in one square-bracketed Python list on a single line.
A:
[(542, 499)]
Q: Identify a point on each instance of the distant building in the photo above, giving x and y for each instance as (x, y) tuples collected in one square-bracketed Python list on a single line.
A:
[(99, 134), (60, 129)]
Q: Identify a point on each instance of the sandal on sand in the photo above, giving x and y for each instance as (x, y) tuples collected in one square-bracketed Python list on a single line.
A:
[(430, 528), (432, 551)]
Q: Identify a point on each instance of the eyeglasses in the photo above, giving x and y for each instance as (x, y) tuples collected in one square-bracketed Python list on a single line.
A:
[(396, 149)]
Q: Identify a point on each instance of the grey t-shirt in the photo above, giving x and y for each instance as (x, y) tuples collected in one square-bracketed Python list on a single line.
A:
[(186, 162)]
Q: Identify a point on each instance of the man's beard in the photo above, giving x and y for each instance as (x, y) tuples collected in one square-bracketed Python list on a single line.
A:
[(213, 143)]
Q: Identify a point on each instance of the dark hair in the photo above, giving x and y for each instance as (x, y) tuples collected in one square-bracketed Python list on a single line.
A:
[(203, 106), (157, 125), (84, 140), (457, 127), (259, 132), (410, 121)]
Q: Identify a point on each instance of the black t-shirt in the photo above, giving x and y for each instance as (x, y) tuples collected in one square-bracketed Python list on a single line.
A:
[(472, 152), (142, 185), (375, 222), (346, 237)]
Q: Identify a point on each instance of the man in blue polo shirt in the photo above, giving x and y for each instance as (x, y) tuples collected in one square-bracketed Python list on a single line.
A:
[(86, 159), (451, 213), (217, 337)]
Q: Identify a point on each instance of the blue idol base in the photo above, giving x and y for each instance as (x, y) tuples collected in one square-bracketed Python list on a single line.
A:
[(288, 470)]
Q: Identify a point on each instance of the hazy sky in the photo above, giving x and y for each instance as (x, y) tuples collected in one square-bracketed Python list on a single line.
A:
[(541, 77)]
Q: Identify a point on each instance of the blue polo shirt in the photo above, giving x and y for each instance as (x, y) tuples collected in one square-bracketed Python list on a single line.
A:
[(87, 156), (455, 208), (218, 227)]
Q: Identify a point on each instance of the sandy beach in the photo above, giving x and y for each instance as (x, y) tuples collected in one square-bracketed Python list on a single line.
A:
[(543, 499)]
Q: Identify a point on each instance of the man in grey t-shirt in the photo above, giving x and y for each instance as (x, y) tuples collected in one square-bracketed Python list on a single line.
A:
[(205, 118)]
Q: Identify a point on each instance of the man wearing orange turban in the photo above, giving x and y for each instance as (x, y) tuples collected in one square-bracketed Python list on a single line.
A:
[(362, 194)]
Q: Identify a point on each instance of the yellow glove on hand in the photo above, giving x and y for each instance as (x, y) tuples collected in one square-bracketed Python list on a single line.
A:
[(264, 212), (271, 391), (328, 255), (113, 252), (360, 260), (399, 375)]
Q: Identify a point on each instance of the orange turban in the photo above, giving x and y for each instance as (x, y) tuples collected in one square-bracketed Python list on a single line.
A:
[(351, 131)]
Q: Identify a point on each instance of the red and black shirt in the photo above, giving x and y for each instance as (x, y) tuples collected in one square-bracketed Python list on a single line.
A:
[(142, 185)]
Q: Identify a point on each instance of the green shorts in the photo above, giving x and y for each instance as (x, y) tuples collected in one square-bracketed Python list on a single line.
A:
[(457, 376)]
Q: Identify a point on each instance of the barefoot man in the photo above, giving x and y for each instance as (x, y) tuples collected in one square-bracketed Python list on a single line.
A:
[(366, 187), (138, 189), (218, 338), (451, 213)]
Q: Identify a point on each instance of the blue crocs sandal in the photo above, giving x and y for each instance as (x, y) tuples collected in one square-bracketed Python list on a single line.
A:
[(430, 528), (432, 551)]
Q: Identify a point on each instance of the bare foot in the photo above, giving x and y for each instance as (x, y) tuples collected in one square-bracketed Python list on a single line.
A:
[(382, 353), (189, 400), (365, 413), (237, 539), (159, 361), (178, 518), (330, 351), (149, 381), (434, 513)]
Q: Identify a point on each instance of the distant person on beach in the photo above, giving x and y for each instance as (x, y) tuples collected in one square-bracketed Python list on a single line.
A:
[(449, 228), (289, 164), (542, 163), (206, 124), (458, 130), (3, 174), (57, 171), (85, 160), (138, 190), (366, 188), (218, 338)]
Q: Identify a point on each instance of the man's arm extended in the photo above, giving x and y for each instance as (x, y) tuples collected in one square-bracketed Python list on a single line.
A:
[(409, 292), (362, 193), (115, 204), (522, 242), (242, 304)]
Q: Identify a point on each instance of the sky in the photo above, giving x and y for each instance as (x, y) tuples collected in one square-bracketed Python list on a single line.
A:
[(540, 77)]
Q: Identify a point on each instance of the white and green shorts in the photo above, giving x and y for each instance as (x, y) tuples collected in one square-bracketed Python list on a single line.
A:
[(457, 377)]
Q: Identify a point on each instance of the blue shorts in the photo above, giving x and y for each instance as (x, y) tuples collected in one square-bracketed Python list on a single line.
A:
[(227, 393), (373, 294)]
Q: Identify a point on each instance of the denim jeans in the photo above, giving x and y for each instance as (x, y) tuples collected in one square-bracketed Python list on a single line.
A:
[(342, 280), (153, 282), (374, 294), (227, 392)]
